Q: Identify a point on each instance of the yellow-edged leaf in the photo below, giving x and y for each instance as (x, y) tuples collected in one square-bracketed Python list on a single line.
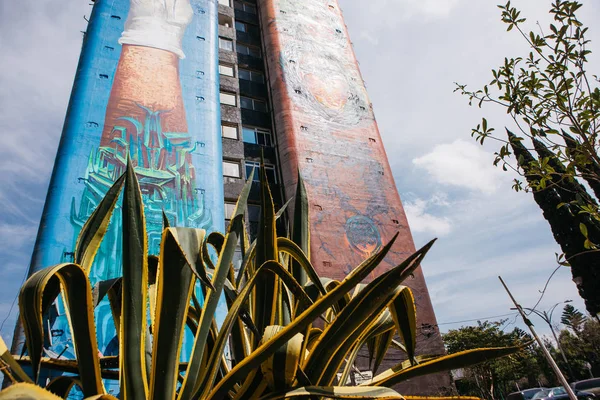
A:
[(94, 229), (132, 343), (16, 371), (280, 369), (461, 359), (77, 296), (338, 392), (298, 324)]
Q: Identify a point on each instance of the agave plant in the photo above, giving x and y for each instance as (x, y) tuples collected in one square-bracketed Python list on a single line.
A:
[(273, 303)]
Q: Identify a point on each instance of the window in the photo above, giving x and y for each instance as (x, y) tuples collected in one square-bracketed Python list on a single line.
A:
[(231, 169), (269, 169), (240, 26), (226, 44), (253, 76), (227, 98), (229, 131), (225, 3), (226, 70), (254, 219), (225, 20), (257, 136), (246, 7), (253, 104), (229, 209), (248, 50)]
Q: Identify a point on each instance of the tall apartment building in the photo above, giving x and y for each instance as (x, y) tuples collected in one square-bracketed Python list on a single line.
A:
[(194, 92)]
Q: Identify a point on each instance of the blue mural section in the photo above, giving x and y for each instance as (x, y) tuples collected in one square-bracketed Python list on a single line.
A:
[(146, 87)]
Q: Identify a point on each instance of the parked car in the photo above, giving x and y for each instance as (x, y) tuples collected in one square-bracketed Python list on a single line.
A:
[(526, 394), (559, 393), (589, 385)]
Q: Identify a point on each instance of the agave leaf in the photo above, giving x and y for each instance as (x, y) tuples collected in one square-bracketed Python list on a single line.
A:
[(7, 358), (441, 398), (271, 267), (338, 392), (191, 242), (298, 325), (285, 245), (62, 385), (132, 343), (174, 291), (95, 227), (280, 369), (21, 391), (396, 344), (384, 324), (71, 366), (216, 240), (301, 230), (282, 209), (461, 359), (338, 338), (404, 314), (165, 219), (382, 344), (153, 262), (77, 295), (266, 295), (234, 233), (250, 254)]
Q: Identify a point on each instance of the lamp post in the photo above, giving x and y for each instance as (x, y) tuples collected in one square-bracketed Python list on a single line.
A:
[(546, 316)]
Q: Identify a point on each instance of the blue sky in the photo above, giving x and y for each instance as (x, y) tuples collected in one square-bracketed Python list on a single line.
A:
[(410, 53)]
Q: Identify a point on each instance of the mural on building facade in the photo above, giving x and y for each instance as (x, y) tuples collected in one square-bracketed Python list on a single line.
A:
[(327, 132), (148, 71)]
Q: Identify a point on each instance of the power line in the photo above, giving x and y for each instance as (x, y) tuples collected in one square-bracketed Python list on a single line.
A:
[(475, 319)]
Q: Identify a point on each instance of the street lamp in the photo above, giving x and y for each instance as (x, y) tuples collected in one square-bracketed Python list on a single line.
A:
[(546, 316)]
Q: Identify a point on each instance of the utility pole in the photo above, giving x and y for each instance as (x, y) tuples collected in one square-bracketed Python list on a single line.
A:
[(529, 324), (546, 316)]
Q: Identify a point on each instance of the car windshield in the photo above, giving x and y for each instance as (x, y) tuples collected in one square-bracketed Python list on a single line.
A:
[(558, 391), (529, 393), (540, 395)]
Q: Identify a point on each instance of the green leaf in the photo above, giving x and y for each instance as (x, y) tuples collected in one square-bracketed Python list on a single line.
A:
[(301, 261), (337, 392), (62, 385), (95, 227), (271, 267), (174, 291), (337, 339), (583, 230), (9, 361), (193, 376), (404, 313), (77, 296), (132, 346), (458, 360), (298, 325), (301, 229)]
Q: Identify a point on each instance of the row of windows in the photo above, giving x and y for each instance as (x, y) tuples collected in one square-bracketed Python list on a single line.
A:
[(240, 5), (246, 74), (233, 169), (245, 49), (252, 135), (248, 103)]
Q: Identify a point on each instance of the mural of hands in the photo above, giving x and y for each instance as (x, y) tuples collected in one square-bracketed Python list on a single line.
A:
[(157, 23)]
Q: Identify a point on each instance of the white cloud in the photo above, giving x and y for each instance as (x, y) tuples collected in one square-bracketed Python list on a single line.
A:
[(423, 222), (462, 164)]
